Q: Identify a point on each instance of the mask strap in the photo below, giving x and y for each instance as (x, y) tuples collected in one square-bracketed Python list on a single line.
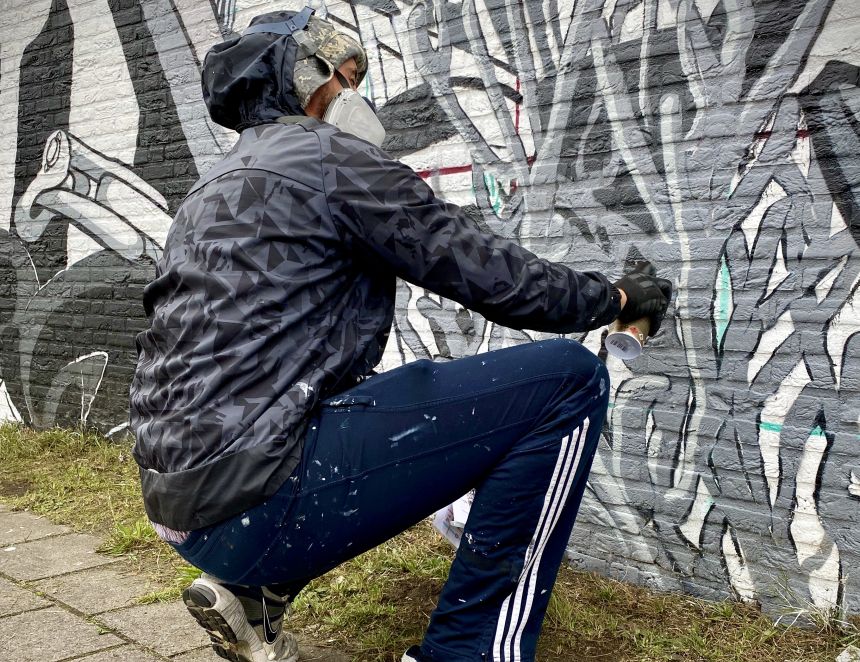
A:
[(345, 84), (342, 80)]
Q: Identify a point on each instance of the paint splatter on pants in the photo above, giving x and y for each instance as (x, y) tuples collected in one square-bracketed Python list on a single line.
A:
[(520, 424)]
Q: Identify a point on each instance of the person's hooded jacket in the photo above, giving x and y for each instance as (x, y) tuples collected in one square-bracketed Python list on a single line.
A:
[(276, 289)]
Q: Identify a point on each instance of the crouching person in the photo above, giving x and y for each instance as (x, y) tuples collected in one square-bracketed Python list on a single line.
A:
[(269, 450)]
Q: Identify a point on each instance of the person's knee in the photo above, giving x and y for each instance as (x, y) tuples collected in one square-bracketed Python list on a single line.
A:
[(588, 374), (578, 359)]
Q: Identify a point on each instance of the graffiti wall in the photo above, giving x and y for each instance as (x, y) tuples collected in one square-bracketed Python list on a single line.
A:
[(719, 139)]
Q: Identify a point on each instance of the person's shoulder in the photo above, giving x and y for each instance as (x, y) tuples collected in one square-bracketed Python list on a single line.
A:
[(338, 145), (301, 139), (270, 150), (290, 150)]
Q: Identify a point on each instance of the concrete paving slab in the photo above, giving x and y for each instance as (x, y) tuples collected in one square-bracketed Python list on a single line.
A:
[(14, 600), (166, 628), (307, 653), (850, 654), (52, 556), (96, 590), (121, 654), (199, 655), (21, 527), (23, 637)]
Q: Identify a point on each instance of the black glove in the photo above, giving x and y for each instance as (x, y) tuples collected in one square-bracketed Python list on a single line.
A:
[(647, 295)]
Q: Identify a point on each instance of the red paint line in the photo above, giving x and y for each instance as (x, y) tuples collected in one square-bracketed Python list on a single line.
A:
[(517, 112), (456, 170), (447, 170), (764, 135)]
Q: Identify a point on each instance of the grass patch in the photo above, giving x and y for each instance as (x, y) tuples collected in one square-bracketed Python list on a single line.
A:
[(378, 604), (81, 479)]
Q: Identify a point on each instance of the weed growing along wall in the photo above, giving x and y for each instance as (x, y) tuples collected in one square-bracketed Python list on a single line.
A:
[(719, 139)]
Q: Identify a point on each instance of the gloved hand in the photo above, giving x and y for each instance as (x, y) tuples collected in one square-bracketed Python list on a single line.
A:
[(647, 295)]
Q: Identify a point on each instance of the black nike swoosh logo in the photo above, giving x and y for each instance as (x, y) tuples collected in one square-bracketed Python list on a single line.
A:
[(270, 634)]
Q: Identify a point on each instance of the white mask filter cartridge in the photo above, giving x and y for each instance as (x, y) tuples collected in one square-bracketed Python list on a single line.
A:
[(351, 113)]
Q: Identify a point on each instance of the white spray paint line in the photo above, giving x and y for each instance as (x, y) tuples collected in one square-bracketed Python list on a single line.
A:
[(750, 225), (8, 410), (778, 272), (854, 485), (17, 30), (682, 477), (634, 24), (773, 414), (653, 444), (837, 222), (418, 321), (706, 8), (666, 16), (87, 399), (608, 9), (200, 24), (183, 76), (554, 46), (739, 575), (117, 428), (624, 519), (824, 583), (822, 289), (694, 75), (685, 471), (806, 528), (98, 57), (79, 245), (845, 324), (618, 107), (767, 344), (691, 528)]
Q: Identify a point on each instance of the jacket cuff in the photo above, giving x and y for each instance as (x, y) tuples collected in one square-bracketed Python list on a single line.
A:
[(611, 311)]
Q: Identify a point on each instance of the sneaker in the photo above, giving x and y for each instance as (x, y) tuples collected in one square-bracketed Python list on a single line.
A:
[(242, 627), (414, 654)]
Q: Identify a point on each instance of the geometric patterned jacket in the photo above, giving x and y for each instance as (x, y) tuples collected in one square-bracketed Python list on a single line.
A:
[(276, 290)]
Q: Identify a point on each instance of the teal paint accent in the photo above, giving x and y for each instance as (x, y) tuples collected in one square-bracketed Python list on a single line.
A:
[(492, 189), (777, 427), (770, 427), (723, 306)]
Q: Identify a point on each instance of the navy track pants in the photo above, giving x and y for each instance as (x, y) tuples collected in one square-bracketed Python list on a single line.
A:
[(520, 424)]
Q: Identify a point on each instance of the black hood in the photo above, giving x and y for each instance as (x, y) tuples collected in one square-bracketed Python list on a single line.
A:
[(248, 80)]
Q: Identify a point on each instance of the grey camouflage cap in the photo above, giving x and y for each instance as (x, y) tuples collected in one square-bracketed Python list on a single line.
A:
[(333, 48)]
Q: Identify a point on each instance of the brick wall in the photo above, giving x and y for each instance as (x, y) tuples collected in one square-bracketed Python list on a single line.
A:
[(718, 139)]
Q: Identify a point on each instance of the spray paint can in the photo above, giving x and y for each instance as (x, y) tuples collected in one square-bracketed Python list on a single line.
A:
[(625, 340)]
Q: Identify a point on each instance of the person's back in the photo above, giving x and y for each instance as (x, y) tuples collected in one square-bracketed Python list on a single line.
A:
[(259, 309)]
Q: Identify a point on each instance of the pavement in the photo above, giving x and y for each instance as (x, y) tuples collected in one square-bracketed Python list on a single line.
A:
[(61, 600)]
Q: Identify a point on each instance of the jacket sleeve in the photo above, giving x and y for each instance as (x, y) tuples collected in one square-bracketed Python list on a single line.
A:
[(383, 208)]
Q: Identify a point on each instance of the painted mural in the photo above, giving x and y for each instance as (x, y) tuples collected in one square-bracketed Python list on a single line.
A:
[(719, 139)]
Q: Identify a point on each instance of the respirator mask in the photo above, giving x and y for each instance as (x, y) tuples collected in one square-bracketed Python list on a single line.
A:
[(352, 113)]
